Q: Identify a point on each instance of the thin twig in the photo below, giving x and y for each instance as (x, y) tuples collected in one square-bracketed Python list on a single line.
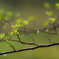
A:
[(10, 45), (54, 27), (18, 37), (32, 38), (50, 41)]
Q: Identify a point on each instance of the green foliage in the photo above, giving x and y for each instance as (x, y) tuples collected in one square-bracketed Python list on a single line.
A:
[(57, 5), (46, 23), (10, 33), (6, 40), (16, 32), (8, 45), (52, 19), (18, 21), (2, 36), (49, 13), (46, 5), (9, 14), (25, 22), (16, 26)]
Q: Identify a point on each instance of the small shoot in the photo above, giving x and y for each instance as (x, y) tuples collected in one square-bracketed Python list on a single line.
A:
[(16, 32), (6, 40), (10, 33), (52, 19), (2, 36), (57, 5), (46, 23), (25, 22), (16, 26), (49, 13)]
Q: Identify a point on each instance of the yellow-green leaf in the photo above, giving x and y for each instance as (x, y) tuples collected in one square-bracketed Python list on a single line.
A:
[(49, 13), (46, 23), (52, 19), (46, 5)]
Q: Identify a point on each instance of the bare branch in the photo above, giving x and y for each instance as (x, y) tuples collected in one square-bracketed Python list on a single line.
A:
[(32, 48)]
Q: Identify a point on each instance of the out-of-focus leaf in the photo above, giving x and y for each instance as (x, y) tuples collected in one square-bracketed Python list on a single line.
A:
[(57, 5), (17, 14), (31, 17), (46, 5), (10, 14), (6, 18), (49, 13), (18, 21), (52, 19), (46, 23)]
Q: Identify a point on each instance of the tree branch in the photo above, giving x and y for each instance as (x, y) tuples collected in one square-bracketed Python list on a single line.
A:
[(32, 48)]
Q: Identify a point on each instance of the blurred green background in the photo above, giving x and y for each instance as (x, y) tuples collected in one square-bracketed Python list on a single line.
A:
[(25, 9)]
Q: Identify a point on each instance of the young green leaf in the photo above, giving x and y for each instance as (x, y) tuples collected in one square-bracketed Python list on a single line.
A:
[(57, 5), (46, 5), (11, 33), (16, 26), (52, 19), (25, 22), (15, 31), (6, 40), (22, 25), (49, 13), (2, 35), (46, 23)]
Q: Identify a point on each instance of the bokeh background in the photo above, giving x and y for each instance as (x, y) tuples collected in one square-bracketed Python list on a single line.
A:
[(25, 9)]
